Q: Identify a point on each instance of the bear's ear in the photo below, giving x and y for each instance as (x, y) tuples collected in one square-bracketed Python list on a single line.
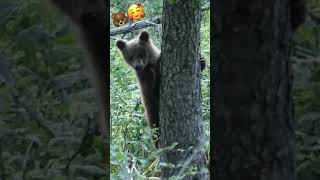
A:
[(121, 44), (144, 36), (113, 15)]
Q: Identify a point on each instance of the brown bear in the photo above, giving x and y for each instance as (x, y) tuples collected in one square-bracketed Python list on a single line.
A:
[(119, 18), (143, 56)]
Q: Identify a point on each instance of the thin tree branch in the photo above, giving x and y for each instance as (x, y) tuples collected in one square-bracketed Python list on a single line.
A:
[(84, 138), (134, 26), (25, 161), (143, 24), (314, 17), (190, 159), (37, 117)]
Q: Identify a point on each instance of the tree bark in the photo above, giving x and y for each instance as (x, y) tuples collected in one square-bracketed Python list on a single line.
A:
[(180, 97), (252, 130), (2, 173)]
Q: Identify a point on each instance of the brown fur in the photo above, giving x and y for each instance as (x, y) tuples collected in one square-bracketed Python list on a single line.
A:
[(143, 56), (91, 18)]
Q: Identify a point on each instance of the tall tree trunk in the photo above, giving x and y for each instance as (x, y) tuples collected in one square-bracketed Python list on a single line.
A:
[(252, 135), (180, 97), (2, 174)]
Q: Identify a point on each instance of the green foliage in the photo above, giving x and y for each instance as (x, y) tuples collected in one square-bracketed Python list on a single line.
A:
[(306, 94), (46, 99), (46, 102), (171, 2), (132, 151)]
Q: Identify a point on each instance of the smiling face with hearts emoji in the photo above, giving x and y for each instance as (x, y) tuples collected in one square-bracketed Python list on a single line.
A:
[(135, 11)]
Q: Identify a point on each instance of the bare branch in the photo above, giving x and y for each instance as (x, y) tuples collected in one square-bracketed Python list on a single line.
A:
[(25, 161), (135, 26), (82, 144), (143, 24)]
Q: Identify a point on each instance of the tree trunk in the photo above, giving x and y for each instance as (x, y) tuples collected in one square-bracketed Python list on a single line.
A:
[(180, 97), (2, 175), (252, 134)]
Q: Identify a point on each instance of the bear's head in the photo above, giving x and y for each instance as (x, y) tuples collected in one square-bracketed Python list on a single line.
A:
[(139, 52), (119, 18)]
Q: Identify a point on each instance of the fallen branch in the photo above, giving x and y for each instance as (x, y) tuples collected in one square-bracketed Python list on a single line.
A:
[(142, 24)]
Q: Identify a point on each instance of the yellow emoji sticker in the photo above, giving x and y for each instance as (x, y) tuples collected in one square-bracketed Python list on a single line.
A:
[(135, 11)]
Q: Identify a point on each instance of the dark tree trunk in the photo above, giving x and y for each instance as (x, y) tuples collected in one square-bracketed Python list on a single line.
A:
[(2, 175), (252, 134), (180, 97)]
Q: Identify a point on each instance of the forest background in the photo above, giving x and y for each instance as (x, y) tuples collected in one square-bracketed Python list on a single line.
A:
[(47, 104)]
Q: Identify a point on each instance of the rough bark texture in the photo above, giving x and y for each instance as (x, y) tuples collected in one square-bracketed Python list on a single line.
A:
[(252, 134), (180, 97)]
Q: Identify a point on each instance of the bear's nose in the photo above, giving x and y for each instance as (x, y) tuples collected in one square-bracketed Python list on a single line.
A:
[(121, 22), (138, 67)]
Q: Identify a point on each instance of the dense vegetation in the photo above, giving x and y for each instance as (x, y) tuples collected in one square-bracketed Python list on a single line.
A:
[(306, 94), (131, 149), (47, 105)]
